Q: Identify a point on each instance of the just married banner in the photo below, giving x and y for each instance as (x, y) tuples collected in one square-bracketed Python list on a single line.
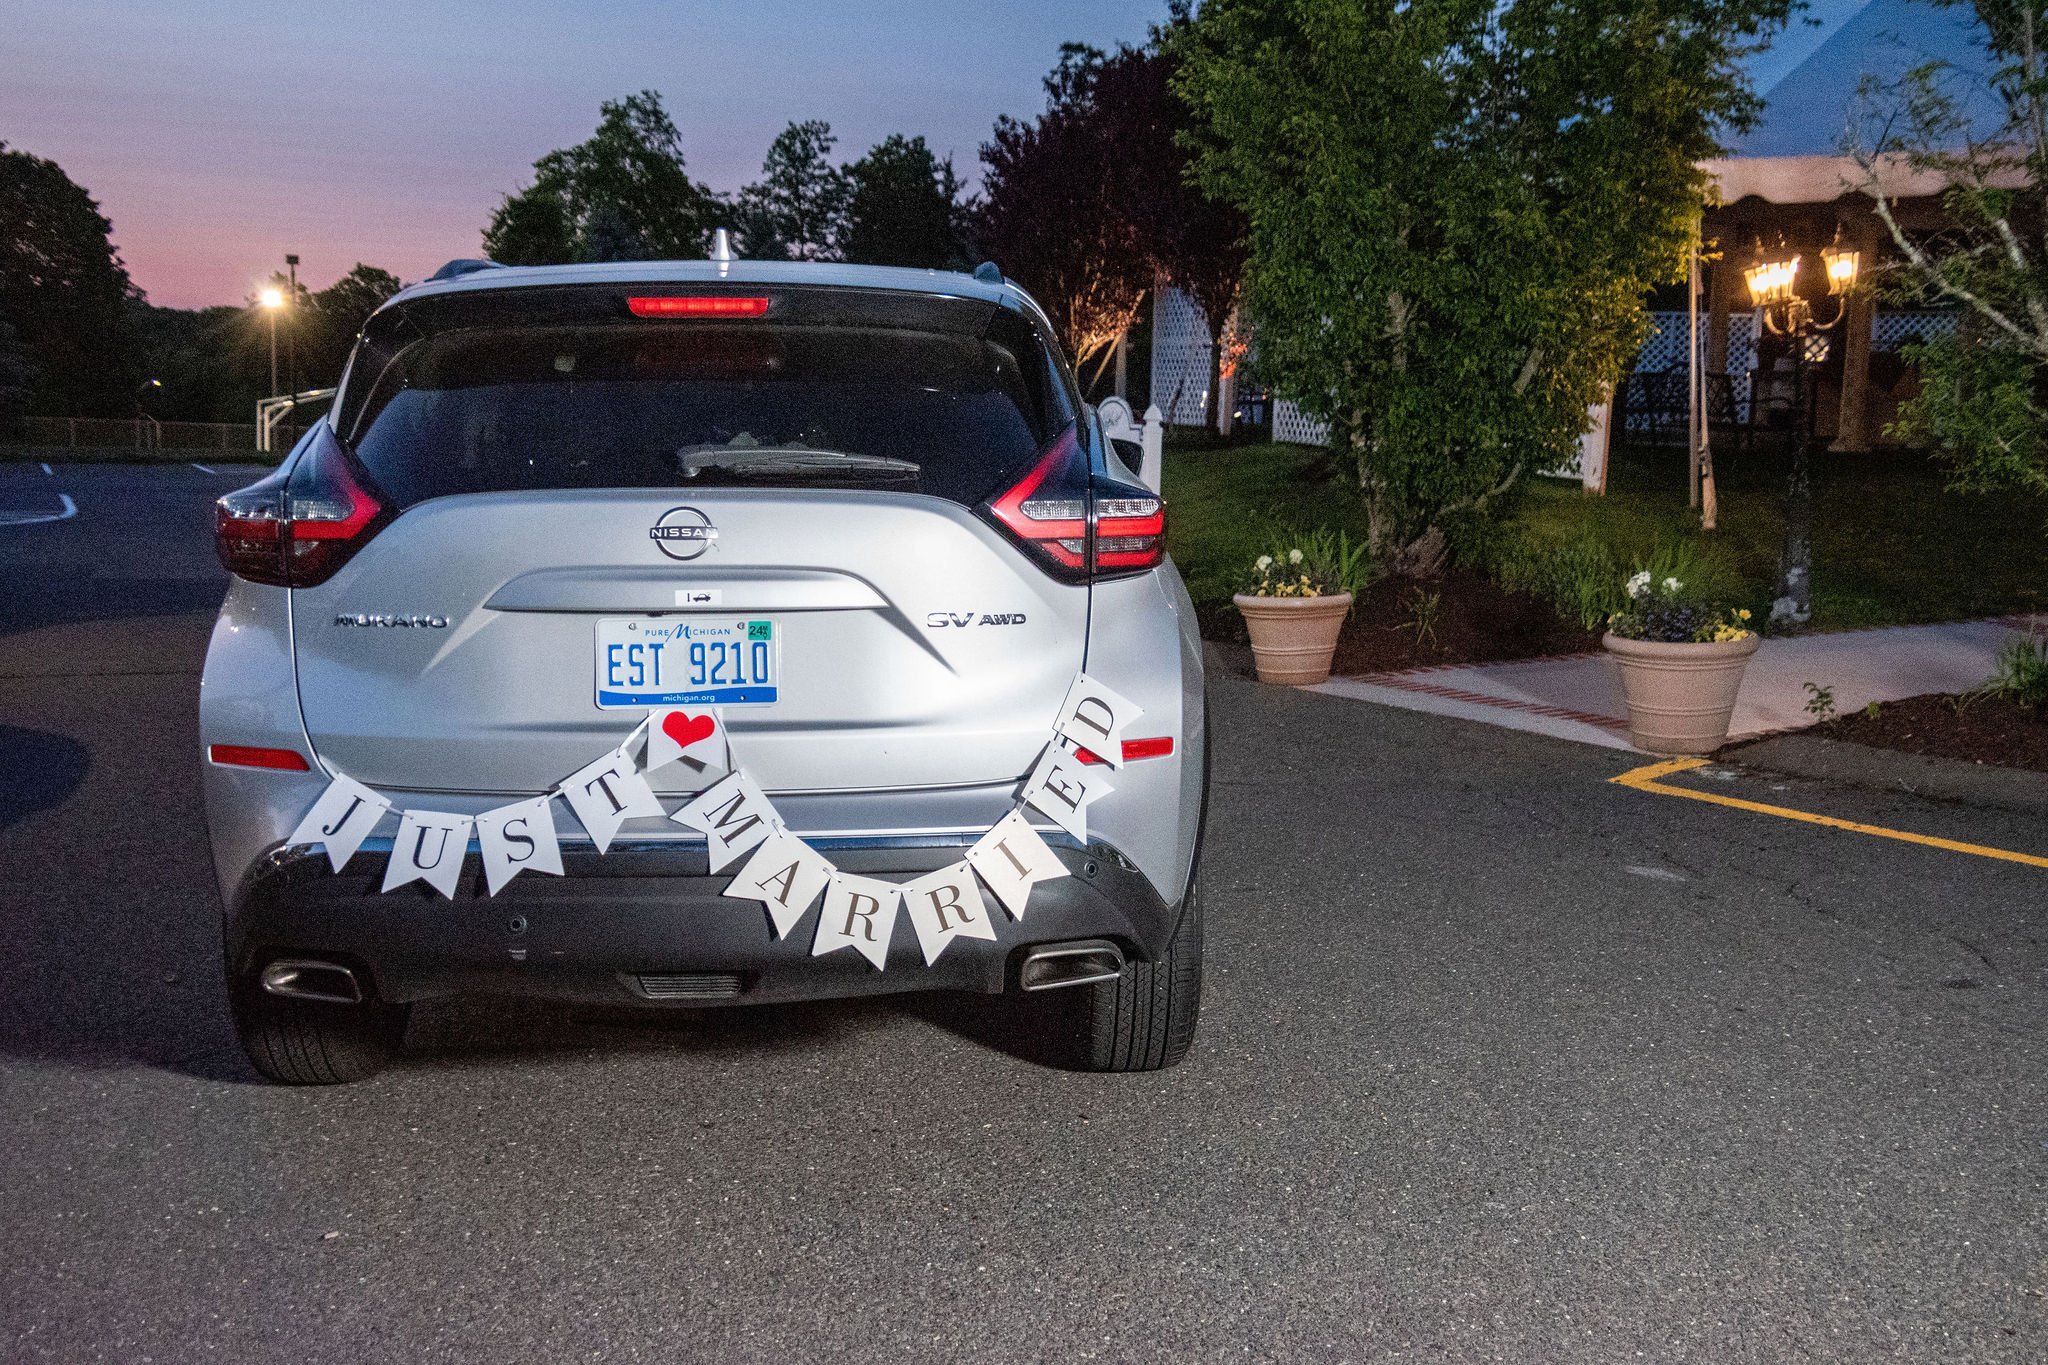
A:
[(742, 830)]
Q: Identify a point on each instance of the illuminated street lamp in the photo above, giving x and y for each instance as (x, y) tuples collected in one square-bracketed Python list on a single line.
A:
[(1774, 289), (272, 300)]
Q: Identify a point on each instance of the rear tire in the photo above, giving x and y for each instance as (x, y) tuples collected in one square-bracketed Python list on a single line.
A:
[(309, 1042), (1145, 1018)]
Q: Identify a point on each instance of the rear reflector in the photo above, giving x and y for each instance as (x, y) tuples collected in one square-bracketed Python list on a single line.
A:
[(247, 756), (698, 306), (1158, 747)]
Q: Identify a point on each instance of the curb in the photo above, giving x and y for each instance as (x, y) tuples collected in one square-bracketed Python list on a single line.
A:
[(1887, 770)]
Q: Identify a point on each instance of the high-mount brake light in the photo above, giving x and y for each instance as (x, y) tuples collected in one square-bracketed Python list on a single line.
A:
[(697, 306), (295, 530)]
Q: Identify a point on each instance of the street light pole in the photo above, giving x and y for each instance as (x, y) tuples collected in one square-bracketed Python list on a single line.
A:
[(291, 264), (1773, 287), (271, 298)]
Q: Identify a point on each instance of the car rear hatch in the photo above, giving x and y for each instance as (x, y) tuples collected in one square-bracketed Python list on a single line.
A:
[(788, 490)]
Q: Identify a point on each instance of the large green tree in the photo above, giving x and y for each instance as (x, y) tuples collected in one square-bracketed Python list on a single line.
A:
[(1456, 209), (65, 290), (797, 209), (621, 194), (1981, 399), (903, 207)]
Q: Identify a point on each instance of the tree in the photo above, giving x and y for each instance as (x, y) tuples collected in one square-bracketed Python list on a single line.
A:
[(903, 207), (15, 376), (1981, 395), (65, 291), (332, 317), (622, 194), (1053, 213), (797, 209), (1456, 209)]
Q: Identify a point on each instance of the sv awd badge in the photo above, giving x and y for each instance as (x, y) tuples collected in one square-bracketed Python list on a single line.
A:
[(941, 619)]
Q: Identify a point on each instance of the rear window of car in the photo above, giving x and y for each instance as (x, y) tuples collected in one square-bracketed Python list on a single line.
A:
[(767, 402)]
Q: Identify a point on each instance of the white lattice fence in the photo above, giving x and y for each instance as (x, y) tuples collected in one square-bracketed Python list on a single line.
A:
[(1893, 331), (1182, 354), (1295, 427)]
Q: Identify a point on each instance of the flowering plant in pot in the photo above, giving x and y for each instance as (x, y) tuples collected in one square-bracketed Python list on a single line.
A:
[(1294, 602), (1681, 657)]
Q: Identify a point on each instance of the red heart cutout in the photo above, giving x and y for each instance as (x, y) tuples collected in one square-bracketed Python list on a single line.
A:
[(687, 730)]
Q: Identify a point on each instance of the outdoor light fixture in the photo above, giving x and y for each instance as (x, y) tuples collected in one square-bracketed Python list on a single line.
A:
[(270, 297), (1771, 282), (1842, 263)]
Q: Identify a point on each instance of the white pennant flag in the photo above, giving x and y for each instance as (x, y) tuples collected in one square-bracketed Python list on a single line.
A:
[(785, 875), (733, 815), (946, 905), (1094, 717), (695, 736), (518, 838), (859, 913), (1062, 786), (1012, 858), (428, 847), (607, 793), (341, 819)]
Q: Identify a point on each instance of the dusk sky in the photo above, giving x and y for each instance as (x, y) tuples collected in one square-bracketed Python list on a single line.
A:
[(218, 136)]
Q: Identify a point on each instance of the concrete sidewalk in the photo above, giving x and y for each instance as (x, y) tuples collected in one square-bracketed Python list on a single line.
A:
[(1577, 697)]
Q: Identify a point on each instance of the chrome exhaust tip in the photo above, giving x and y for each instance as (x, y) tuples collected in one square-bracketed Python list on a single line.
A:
[(304, 979), (1082, 962)]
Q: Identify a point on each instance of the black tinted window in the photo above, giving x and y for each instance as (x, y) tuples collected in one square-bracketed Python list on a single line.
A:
[(666, 404)]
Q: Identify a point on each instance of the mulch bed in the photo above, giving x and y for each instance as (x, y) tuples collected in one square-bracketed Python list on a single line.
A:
[(1476, 621), (1986, 730)]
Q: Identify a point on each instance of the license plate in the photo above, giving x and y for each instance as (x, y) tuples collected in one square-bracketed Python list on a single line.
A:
[(692, 661)]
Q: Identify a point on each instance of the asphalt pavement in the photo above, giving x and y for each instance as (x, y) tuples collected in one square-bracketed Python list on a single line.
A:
[(1498, 1061)]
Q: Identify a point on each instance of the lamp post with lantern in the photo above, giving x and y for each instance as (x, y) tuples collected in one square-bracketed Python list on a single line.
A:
[(1787, 312)]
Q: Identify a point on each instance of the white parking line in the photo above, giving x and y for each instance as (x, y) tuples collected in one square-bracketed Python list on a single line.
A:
[(31, 518), (47, 470), (204, 469)]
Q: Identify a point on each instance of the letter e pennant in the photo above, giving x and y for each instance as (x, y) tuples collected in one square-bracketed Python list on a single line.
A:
[(1063, 788)]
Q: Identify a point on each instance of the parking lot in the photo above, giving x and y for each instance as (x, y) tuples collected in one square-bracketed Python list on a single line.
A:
[(1499, 1061)]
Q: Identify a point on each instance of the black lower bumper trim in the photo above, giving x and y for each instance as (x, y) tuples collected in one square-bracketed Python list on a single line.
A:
[(643, 913)]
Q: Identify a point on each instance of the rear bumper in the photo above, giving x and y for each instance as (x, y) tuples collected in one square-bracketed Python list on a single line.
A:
[(645, 924)]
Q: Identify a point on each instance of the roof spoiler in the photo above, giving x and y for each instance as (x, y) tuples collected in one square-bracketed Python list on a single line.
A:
[(456, 269)]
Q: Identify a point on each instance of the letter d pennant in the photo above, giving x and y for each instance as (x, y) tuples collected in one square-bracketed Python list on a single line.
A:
[(859, 913)]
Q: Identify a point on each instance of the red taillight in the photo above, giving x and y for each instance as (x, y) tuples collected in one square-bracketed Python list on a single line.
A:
[(295, 531), (697, 306), (1159, 747), (1048, 508), (249, 756)]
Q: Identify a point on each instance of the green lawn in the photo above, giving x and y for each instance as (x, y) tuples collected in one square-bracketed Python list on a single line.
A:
[(1892, 544)]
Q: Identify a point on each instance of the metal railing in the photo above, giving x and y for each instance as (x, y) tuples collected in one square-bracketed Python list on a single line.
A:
[(148, 434)]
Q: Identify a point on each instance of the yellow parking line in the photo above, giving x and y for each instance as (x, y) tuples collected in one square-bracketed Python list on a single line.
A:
[(1645, 780)]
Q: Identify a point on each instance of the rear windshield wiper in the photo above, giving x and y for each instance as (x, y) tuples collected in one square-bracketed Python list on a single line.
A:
[(694, 460)]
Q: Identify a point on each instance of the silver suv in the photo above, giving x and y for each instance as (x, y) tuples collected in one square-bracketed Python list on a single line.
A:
[(851, 528)]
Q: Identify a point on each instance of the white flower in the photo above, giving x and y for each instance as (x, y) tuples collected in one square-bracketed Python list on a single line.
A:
[(1264, 563), (1294, 556), (1639, 583), (1672, 585)]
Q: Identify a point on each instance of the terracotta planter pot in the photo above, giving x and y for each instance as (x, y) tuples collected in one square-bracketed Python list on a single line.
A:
[(1679, 696), (1294, 637)]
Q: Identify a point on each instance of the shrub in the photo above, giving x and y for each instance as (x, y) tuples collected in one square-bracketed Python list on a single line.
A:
[(2021, 672)]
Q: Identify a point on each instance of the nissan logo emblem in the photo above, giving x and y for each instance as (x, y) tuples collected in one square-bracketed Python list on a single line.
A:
[(683, 533)]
